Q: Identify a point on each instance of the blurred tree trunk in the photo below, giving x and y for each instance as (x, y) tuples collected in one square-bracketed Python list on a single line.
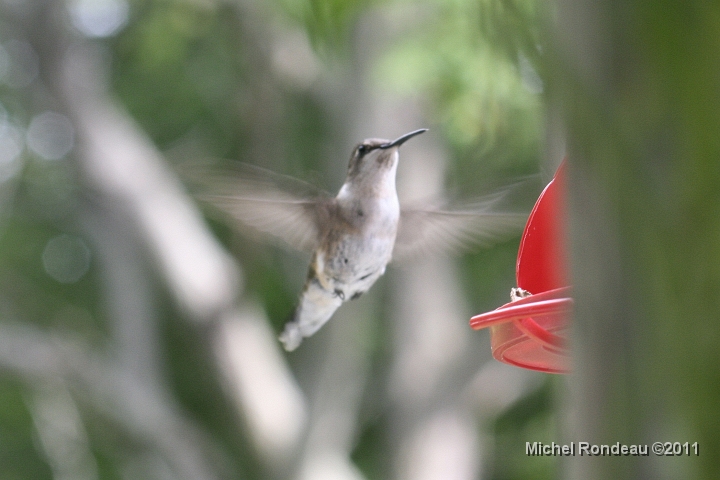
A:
[(639, 83)]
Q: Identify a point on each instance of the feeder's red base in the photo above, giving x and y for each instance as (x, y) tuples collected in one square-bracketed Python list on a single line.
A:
[(531, 332)]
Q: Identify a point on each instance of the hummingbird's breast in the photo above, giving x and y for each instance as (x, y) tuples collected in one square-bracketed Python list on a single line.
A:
[(359, 247)]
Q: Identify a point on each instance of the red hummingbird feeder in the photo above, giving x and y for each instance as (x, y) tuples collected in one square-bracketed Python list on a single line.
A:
[(531, 331)]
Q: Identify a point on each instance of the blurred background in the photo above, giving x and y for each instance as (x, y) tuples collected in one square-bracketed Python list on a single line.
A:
[(138, 329)]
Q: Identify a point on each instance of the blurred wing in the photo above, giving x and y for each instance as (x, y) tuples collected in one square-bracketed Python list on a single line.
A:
[(430, 230), (290, 220), (276, 205)]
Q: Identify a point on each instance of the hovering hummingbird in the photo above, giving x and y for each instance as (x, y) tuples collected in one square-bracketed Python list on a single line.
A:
[(354, 235)]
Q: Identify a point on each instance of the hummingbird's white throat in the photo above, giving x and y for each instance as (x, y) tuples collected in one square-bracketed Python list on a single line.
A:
[(372, 178)]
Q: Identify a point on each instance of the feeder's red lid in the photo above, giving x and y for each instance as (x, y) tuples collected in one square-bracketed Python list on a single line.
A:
[(530, 332), (541, 259)]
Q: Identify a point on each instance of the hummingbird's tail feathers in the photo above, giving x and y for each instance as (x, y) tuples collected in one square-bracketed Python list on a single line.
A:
[(316, 307), (282, 207), (291, 337)]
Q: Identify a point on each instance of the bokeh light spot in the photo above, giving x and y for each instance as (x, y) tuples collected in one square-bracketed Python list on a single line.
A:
[(66, 258), (51, 135), (99, 18)]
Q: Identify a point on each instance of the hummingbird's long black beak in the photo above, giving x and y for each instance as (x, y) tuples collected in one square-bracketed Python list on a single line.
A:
[(399, 141)]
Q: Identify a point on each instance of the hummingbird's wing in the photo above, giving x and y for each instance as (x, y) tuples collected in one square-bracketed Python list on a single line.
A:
[(426, 229), (288, 219), (282, 207)]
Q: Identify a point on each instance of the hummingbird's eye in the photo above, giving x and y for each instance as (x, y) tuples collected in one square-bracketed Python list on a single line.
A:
[(363, 149)]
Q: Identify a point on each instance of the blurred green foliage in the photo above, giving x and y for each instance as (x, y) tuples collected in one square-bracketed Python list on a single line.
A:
[(200, 80), (185, 58)]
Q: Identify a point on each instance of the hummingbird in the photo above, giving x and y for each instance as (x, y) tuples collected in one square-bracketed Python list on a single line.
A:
[(354, 235)]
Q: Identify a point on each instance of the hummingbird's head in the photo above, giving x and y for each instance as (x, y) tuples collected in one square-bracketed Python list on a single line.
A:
[(376, 156)]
